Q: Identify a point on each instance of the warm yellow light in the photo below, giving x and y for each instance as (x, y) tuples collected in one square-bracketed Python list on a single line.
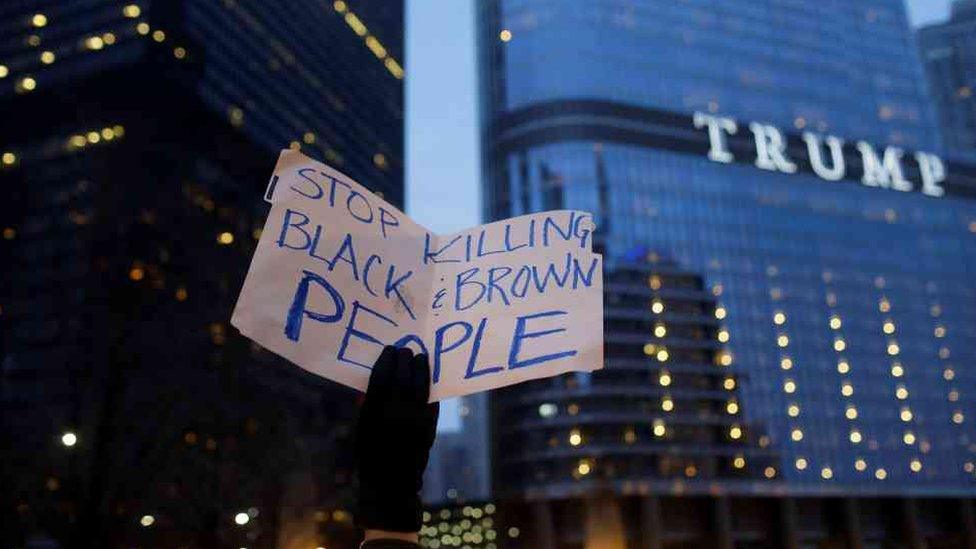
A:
[(630, 436), (897, 370), (108, 38), (800, 463), (855, 436), (893, 349), (725, 359), (901, 393), (575, 437), (94, 43), (242, 518), (839, 345), (395, 69), (179, 52), (908, 438), (69, 439), (339, 6), (735, 432), (915, 465), (665, 379), (39, 20), (940, 331), (147, 520), (906, 414), (650, 349), (47, 57), (662, 355), (108, 134), (720, 313), (9, 159), (28, 83), (723, 336), (9, 233), (729, 383), (505, 35), (793, 410), (654, 282), (236, 116), (308, 137), (826, 473), (158, 35), (94, 137), (142, 28), (4, 71), (779, 318), (660, 330), (796, 435), (783, 340), (119, 130), (769, 472), (657, 307), (131, 11), (225, 238), (789, 386), (884, 305), (860, 464), (659, 428), (739, 462), (843, 367), (356, 24), (78, 140), (732, 407), (847, 389), (136, 273), (835, 322), (888, 327), (786, 363), (667, 404), (880, 474), (181, 294)]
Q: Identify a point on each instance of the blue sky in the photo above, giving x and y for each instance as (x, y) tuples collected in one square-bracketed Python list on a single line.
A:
[(442, 117)]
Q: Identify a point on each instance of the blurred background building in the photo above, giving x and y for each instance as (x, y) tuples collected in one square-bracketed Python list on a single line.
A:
[(136, 142), (949, 54), (788, 334)]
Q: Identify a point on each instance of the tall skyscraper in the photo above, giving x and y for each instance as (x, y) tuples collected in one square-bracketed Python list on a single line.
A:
[(138, 140), (949, 54), (772, 207)]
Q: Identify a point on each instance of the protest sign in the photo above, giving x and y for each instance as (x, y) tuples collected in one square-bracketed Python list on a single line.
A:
[(338, 273)]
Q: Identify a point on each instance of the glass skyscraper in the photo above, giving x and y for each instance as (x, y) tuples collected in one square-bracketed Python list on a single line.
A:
[(137, 141), (785, 154), (949, 54)]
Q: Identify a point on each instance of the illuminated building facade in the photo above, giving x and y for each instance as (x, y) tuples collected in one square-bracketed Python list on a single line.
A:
[(948, 52), (784, 158), (137, 142)]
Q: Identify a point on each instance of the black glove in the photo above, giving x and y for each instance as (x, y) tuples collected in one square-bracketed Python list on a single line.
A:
[(393, 438)]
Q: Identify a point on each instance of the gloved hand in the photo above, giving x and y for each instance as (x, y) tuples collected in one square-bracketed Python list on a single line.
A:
[(393, 438)]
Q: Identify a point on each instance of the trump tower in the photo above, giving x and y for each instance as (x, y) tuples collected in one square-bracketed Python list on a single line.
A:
[(790, 314)]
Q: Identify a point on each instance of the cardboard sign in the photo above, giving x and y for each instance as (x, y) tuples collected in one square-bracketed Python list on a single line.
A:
[(338, 273)]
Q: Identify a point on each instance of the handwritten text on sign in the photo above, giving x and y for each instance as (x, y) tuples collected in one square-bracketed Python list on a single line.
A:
[(338, 273)]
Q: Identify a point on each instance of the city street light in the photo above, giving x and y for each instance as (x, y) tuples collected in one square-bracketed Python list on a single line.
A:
[(242, 518), (69, 439), (147, 520)]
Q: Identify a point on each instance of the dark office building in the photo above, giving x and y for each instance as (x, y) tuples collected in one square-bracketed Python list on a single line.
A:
[(949, 54), (773, 172), (138, 141)]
